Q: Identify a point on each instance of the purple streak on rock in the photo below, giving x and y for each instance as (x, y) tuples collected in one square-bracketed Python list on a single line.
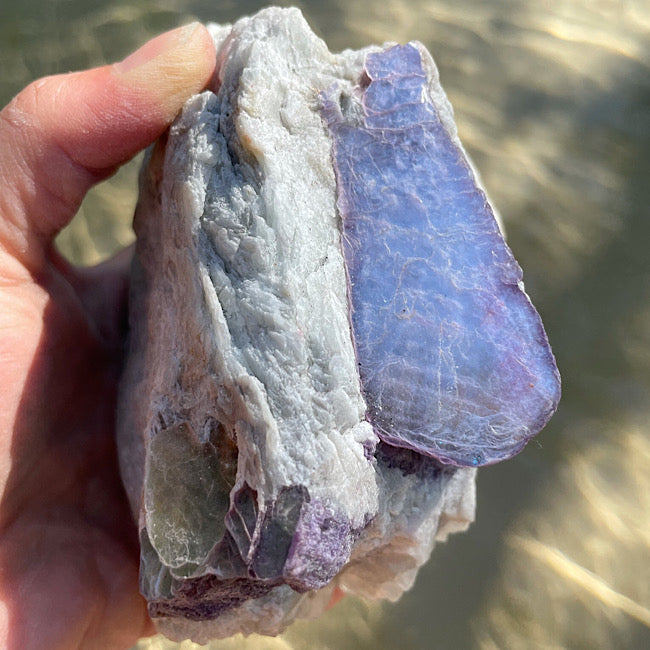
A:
[(294, 539), (410, 462), (453, 358), (321, 545), (200, 598), (204, 598)]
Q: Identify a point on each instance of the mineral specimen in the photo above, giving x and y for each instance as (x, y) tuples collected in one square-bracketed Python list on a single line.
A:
[(453, 359), (327, 332)]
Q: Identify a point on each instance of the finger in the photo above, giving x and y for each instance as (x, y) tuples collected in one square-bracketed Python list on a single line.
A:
[(103, 290), (62, 134)]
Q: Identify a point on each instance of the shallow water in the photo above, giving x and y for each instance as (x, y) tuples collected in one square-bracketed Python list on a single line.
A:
[(553, 102)]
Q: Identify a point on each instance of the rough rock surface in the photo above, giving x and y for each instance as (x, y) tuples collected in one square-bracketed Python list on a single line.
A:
[(255, 468)]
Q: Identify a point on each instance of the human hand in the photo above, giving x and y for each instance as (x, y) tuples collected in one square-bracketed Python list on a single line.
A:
[(68, 547)]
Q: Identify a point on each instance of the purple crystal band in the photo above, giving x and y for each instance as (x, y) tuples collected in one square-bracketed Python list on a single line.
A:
[(453, 358)]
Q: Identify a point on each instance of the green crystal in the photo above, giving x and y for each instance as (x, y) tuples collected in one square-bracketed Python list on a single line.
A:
[(186, 498)]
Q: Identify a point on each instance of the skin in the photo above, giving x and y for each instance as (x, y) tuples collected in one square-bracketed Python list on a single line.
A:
[(68, 546)]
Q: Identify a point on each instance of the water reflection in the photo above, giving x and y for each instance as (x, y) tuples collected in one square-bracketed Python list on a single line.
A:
[(553, 102)]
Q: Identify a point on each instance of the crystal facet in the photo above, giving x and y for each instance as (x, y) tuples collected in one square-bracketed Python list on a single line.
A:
[(453, 359)]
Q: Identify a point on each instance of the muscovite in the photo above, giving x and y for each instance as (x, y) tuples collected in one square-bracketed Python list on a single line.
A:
[(327, 333)]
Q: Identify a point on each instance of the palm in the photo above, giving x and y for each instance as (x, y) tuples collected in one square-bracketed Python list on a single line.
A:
[(67, 528), (68, 547)]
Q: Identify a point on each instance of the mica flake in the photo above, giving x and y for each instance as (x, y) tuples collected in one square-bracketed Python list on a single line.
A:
[(453, 358)]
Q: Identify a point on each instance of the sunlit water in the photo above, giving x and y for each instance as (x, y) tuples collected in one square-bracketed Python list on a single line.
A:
[(552, 100)]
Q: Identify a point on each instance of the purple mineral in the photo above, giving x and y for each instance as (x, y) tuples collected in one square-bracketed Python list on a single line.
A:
[(453, 359)]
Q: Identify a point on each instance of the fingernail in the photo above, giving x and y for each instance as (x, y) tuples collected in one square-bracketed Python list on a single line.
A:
[(158, 47)]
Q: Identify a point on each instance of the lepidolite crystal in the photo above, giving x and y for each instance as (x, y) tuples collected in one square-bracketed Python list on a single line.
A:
[(327, 333), (453, 358)]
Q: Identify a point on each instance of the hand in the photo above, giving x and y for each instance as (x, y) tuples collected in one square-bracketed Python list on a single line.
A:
[(68, 547)]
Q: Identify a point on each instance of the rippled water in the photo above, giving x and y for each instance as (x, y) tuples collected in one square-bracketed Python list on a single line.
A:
[(553, 102)]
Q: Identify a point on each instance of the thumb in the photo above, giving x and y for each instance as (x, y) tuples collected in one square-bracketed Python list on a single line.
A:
[(63, 134)]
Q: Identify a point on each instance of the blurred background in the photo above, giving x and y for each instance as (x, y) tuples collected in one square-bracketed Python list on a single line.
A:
[(552, 100)]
